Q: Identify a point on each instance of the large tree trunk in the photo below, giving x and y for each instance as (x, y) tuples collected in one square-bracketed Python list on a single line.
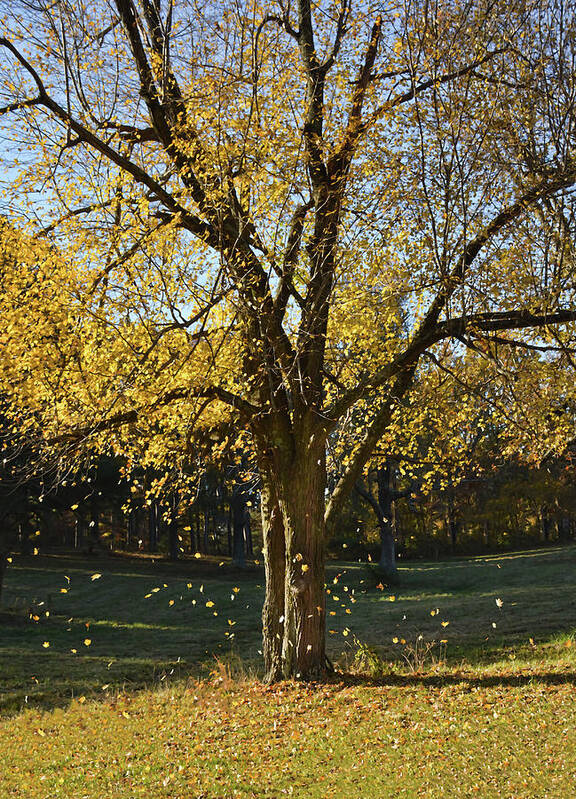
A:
[(302, 502), (293, 507), (274, 550)]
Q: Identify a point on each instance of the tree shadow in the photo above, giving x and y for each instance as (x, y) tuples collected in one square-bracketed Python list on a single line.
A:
[(467, 681)]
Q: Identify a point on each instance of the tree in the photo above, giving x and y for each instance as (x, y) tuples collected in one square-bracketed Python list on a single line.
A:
[(273, 213)]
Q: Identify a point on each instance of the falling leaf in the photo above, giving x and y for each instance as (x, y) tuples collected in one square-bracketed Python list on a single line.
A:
[(45, 644), (444, 623), (96, 576), (87, 641), (499, 602), (197, 555), (209, 604)]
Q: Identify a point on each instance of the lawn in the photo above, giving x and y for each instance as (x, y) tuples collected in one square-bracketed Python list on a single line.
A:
[(459, 682)]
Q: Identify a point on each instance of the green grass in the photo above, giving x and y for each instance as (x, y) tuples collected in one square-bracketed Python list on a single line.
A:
[(490, 713)]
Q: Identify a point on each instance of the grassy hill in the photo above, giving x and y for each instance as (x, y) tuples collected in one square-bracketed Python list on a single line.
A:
[(459, 682)]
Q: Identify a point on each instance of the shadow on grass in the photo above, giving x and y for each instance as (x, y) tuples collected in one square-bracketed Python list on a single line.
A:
[(466, 681)]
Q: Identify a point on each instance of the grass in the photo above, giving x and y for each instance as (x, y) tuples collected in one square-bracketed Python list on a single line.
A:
[(489, 713)]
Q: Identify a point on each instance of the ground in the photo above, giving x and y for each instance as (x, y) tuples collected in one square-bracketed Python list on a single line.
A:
[(460, 682)]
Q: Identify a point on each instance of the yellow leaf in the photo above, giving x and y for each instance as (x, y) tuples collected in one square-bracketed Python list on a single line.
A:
[(87, 641), (209, 604), (46, 644), (197, 555), (96, 576), (445, 623)]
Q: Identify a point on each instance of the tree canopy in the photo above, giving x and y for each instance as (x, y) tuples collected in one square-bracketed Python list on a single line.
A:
[(269, 213)]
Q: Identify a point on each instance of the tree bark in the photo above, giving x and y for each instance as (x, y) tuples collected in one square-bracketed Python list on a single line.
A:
[(248, 532), (301, 495), (386, 520), (153, 527), (173, 540), (545, 523), (274, 549)]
